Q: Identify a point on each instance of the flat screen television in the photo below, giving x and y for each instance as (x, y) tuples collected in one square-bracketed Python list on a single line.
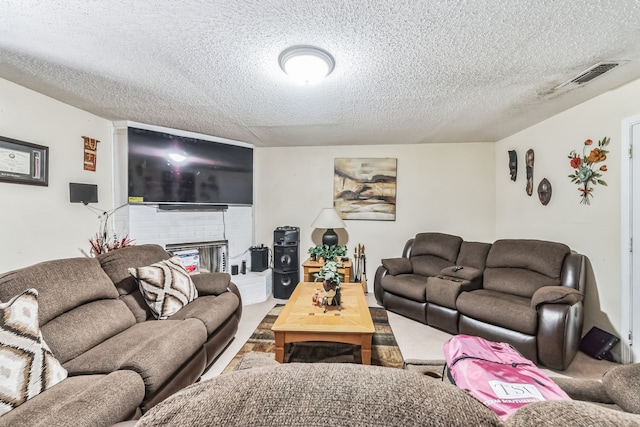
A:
[(170, 169)]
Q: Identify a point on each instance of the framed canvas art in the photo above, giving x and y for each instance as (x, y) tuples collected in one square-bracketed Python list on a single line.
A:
[(365, 188)]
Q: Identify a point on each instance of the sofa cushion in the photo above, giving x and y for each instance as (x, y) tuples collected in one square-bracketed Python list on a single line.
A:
[(62, 285), (211, 283), (520, 267), (411, 286), (444, 291), (116, 264), (86, 400), (516, 281), (327, 394), (166, 286), (554, 413), (397, 266), (473, 254), (27, 365), (154, 349), (508, 311), (79, 330), (429, 265), (211, 310), (445, 246), (539, 256), (621, 384)]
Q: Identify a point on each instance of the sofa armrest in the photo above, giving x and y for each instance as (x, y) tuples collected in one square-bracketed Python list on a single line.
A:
[(397, 266), (234, 289), (587, 390), (378, 292), (559, 333), (211, 283), (555, 295), (461, 272)]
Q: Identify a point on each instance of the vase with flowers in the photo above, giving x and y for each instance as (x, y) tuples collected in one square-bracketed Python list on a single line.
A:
[(588, 168)]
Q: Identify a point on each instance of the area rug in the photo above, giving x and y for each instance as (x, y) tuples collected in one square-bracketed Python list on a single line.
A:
[(384, 348)]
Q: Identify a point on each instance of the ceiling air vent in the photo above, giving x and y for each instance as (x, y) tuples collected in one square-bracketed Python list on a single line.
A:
[(590, 73)]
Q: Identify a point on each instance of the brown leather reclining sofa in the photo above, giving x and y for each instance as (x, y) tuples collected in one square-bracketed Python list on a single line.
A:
[(121, 361), (525, 292)]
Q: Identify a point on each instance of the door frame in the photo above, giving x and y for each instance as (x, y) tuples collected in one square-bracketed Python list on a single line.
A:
[(626, 208)]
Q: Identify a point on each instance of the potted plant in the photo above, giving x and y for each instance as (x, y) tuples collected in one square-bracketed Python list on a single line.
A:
[(316, 252), (331, 280), (327, 252)]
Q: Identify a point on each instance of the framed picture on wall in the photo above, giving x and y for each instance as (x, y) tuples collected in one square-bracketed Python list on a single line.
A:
[(365, 188), (23, 163)]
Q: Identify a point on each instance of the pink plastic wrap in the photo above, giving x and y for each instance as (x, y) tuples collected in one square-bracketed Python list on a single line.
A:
[(497, 375)]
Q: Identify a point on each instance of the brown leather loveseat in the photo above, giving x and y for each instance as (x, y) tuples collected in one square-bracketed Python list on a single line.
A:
[(525, 292)]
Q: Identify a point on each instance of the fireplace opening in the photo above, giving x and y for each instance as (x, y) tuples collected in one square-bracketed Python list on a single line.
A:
[(212, 255)]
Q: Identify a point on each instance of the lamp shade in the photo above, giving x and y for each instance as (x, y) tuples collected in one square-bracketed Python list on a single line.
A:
[(328, 218)]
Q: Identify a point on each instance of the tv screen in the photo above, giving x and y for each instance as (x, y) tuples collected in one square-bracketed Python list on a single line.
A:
[(166, 168), (83, 193)]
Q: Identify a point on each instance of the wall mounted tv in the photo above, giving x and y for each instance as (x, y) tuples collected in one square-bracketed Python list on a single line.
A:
[(171, 169)]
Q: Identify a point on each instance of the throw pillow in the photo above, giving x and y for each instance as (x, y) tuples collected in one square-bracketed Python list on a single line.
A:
[(27, 366), (397, 266), (166, 286)]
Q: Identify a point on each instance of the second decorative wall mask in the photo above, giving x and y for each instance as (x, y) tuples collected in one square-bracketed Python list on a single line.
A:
[(529, 157), (513, 164)]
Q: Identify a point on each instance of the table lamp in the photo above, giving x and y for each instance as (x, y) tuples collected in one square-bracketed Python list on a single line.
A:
[(328, 218)]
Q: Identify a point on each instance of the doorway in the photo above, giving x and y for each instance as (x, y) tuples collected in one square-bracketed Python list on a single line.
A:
[(630, 207)]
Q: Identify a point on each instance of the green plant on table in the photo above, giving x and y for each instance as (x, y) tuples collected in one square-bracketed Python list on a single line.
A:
[(329, 273), (328, 252)]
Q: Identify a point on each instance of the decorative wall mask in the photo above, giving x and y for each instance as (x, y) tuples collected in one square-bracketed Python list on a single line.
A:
[(513, 164), (529, 161), (90, 153), (587, 171), (544, 191)]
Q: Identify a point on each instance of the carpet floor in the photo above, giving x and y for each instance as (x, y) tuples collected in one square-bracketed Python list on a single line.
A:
[(384, 348)]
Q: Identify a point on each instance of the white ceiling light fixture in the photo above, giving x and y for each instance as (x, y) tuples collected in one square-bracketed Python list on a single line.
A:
[(307, 65)]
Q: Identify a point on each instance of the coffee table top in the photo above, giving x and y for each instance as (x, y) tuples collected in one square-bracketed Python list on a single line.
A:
[(300, 314)]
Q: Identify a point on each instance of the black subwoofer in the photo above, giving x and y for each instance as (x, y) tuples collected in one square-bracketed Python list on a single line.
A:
[(286, 266), (284, 283), (285, 258)]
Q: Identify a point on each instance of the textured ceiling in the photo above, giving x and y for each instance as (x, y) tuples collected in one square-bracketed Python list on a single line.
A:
[(406, 71)]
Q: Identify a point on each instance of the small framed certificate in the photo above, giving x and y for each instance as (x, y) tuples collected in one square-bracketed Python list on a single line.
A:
[(23, 163)]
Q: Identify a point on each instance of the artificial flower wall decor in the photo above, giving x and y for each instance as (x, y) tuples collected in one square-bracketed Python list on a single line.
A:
[(588, 168)]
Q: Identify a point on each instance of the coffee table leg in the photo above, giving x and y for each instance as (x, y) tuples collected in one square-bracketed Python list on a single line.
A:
[(366, 349), (279, 347)]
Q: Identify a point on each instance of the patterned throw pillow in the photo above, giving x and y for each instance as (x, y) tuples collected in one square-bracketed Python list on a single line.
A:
[(166, 286), (27, 366)]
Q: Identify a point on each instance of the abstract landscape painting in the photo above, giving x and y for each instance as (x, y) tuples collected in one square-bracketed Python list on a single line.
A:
[(365, 188)]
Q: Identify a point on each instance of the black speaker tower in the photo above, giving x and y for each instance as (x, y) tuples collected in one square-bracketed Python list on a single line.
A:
[(286, 267)]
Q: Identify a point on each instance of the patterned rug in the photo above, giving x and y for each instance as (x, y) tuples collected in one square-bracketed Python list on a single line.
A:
[(384, 348)]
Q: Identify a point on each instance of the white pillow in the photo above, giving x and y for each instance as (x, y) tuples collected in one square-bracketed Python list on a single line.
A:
[(27, 366), (166, 286)]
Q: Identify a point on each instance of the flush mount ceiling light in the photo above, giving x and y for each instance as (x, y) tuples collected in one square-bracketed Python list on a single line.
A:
[(306, 64)]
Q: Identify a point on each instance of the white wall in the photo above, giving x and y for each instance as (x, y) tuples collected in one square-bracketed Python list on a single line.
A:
[(593, 230), (440, 187), (39, 223)]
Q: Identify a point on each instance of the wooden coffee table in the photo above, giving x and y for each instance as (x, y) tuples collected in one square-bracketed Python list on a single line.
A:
[(302, 320)]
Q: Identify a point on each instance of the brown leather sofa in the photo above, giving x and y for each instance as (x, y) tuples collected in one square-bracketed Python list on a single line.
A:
[(120, 360), (525, 292)]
